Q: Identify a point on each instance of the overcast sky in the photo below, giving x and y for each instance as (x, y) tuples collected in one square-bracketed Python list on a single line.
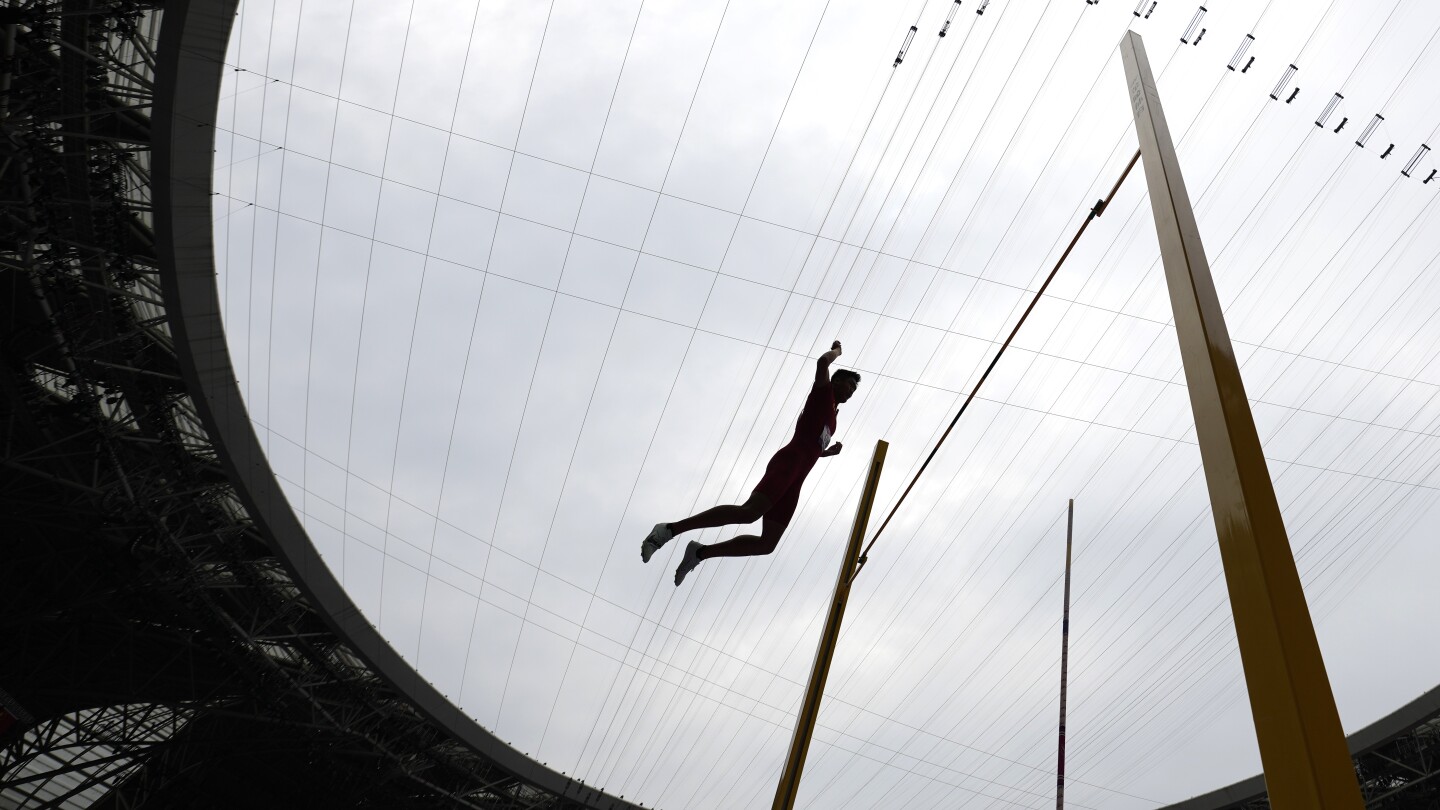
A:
[(506, 283)]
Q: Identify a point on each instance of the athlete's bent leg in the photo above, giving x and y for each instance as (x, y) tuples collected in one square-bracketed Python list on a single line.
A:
[(779, 479), (777, 519), (741, 545), (782, 475), (746, 545), (752, 510)]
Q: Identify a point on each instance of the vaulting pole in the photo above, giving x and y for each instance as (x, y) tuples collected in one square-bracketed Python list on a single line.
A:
[(1302, 747), (1064, 656), (789, 786)]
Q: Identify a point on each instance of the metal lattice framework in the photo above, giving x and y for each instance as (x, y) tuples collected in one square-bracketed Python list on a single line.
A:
[(1397, 760), (159, 647), (170, 637)]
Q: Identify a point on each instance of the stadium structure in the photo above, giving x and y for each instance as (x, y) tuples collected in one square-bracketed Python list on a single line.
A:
[(170, 636)]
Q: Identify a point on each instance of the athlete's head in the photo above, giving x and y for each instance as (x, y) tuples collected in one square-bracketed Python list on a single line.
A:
[(844, 382)]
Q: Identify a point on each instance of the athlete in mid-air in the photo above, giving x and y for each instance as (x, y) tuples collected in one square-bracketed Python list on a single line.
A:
[(775, 497)]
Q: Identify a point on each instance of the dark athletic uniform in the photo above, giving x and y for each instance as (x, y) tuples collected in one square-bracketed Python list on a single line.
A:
[(790, 464)]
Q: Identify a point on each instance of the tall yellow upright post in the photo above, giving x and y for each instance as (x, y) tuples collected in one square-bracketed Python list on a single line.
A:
[(810, 707), (1302, 747)]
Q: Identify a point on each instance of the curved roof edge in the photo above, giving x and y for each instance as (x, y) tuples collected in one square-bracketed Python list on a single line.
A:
[(1417, 712), (193, 41)]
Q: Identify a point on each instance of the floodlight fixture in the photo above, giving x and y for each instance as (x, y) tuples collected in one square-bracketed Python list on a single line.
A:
[(1415, 161), (1194, 24), (954, 9), (1369, 130), (909, 37), (1240, 51), (1329, 108), (1283, 83)]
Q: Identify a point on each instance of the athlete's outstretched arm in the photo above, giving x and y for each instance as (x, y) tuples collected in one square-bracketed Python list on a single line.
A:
[(832, 450), (822, 364)]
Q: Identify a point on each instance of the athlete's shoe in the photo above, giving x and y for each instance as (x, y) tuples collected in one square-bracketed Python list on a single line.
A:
[(688, 562), (658, 536)]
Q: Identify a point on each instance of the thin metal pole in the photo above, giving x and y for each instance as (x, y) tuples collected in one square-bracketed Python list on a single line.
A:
[(789, 786), (1064, 656), (1302, 747)]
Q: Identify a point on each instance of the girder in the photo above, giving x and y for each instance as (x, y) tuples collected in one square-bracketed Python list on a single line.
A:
[(159, 652), (1397, 762)]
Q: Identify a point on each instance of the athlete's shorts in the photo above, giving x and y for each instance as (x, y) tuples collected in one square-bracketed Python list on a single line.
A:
[(781, 484)]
